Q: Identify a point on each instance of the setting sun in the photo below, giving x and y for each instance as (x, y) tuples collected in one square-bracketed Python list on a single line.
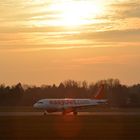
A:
[(72, 13)]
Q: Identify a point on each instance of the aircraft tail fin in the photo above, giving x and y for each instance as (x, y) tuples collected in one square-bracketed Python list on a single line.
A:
[(100, 93)]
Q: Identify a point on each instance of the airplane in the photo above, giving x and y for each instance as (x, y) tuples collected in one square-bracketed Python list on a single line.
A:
[(68, 105)]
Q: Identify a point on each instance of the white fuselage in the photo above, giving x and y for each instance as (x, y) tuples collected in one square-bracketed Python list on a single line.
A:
[(68, 105)]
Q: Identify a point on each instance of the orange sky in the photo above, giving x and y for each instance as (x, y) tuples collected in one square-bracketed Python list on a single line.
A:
[(49, 41)]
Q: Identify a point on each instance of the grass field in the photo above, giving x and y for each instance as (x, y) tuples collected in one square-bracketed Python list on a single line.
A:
[(70, 127)]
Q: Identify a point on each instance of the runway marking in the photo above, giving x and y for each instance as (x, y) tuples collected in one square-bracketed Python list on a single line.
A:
[(79, 113)]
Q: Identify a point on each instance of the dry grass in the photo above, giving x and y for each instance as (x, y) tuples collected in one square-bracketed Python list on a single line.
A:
[(70, 127)]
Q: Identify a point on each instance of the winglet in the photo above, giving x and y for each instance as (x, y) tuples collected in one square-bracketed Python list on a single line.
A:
[(100, 93)]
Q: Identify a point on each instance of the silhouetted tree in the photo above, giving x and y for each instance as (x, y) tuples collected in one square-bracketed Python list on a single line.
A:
[(118, 95)]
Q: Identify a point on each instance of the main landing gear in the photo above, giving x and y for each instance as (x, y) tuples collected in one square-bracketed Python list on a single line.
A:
[(45, 113), (64, 113), (75, 113)]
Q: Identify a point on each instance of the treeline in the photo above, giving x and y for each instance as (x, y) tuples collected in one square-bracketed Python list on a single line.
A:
[(118, 95)]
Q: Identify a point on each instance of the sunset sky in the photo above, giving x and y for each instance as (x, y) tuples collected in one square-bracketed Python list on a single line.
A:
[(49, 41)]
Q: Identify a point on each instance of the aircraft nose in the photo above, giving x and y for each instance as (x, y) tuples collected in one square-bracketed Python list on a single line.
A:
[(35, 105)]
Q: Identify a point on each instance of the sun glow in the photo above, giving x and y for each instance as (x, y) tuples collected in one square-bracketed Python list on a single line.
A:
[(73, 13)]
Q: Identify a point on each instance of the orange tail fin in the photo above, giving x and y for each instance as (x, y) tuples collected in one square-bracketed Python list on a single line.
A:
[(100, 93)]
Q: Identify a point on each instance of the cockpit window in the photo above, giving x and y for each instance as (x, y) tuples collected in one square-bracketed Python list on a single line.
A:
[(40, 102)]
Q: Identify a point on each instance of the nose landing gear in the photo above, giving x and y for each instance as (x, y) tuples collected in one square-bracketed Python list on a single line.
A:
[(45, 113)]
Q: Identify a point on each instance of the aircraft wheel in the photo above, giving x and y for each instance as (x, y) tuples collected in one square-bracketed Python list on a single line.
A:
[(45, 113)]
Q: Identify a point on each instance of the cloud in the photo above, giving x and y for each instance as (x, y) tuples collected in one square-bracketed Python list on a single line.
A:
[(67, 40), (116, 59), (127, 9), (132, 35), (28, 26)]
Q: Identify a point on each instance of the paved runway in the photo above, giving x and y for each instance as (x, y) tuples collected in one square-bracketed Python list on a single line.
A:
[(79, 113)]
